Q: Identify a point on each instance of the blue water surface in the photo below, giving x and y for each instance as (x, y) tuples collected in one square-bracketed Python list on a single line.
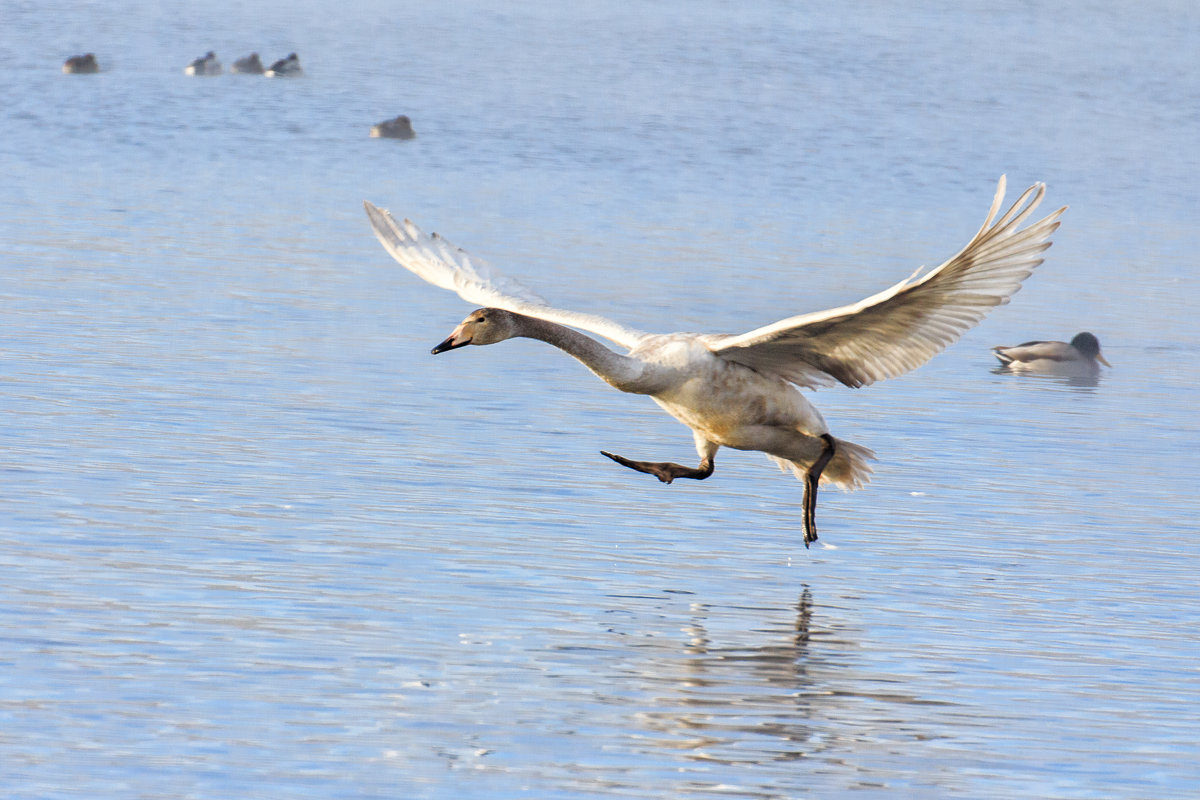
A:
[(257, 542)]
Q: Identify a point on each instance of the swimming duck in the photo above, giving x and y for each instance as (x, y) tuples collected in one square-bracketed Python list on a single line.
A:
[(249, 65), (1076, 359), (285, 67), (741, 390), (209, 65), (398, 128), (81, 65)]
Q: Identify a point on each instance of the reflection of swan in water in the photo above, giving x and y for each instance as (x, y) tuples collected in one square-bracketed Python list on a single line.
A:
[(717, 708), (81, 65), (797, 695), (209, 65)]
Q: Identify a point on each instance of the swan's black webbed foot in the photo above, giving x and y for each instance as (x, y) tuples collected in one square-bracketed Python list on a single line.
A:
[(811, 479), (666, 471)]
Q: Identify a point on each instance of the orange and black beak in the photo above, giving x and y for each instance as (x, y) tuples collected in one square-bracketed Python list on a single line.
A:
[(453, 341)]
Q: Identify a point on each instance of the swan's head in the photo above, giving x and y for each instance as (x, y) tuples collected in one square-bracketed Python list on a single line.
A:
[(483, 326)]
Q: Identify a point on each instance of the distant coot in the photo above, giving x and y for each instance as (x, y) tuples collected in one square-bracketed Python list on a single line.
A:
[(398, 128), (81, 65), (285, 67), (209, 65), (250, 65)]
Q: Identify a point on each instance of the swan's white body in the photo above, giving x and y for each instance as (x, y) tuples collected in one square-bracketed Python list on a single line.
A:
[(729, 404), (740, 391)]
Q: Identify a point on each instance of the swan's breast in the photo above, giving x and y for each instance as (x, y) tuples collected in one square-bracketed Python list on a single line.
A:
[(730, 403)]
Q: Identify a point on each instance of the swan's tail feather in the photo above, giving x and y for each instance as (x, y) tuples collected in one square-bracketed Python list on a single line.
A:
[(849, 469)]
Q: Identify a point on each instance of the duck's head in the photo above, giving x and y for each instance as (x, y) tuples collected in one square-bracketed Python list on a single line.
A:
[(482, 326), (1089, 345)]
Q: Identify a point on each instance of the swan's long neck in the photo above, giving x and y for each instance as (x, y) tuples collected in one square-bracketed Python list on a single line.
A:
[(620, 371)]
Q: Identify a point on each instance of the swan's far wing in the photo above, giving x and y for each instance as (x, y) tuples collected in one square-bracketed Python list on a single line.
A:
[(437, 261), (901, 328)]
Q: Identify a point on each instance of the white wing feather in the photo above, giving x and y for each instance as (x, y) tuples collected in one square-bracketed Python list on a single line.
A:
[(901, 328), (439, 262)]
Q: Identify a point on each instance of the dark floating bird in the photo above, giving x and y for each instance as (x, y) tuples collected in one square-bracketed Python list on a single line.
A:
[(285, 67), (741, 390), (208, 65), (398, 128), (81, 65), (248, 65)]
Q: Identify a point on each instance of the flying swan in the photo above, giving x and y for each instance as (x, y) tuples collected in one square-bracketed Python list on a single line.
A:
[(741, 391)]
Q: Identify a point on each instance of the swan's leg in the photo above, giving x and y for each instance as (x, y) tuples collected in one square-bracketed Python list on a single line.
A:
[(811, 479), (667, 471)]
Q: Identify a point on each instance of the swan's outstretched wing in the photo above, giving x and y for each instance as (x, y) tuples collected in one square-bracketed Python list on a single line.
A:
[(442, 264), (901, 328)]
